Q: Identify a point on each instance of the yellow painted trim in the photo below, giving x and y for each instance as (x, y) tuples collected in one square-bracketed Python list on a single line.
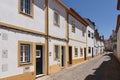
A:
[(24, 42), (56, 11), (56, 37), (55, 68), (46, 38), (24, 14), (75, 47), (20, 28), (55, 59), (34, 46), (24, 76), (76, 61), (77, 40)]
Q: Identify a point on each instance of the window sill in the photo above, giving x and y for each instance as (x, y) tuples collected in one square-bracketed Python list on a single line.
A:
[(56, 24), (25, 64), (24, 14)]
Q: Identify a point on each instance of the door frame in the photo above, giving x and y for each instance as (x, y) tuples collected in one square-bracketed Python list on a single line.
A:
[(43, 55), (64, 55), (70, 61), (85, 53)]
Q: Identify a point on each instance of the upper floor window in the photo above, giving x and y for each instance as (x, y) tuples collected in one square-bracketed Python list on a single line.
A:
[(73, 26), (88, 33), (92, 35), (56, 18), (26, 7)]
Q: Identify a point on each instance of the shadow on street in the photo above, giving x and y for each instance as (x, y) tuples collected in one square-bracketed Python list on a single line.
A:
[(108, 70)]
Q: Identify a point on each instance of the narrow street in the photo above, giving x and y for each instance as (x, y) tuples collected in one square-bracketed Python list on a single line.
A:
[(103, 67)]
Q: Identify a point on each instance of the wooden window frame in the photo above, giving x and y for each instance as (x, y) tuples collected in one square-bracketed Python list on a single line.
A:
[(25, 14), (56, 12), (19, 49)]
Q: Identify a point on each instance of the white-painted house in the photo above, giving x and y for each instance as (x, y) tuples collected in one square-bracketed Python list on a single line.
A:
[(22, 39), (90, 38), (77, 38)]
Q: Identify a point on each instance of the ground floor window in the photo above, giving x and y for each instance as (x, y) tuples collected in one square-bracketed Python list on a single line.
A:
[(76, 52), (81, 51), (89, 50), (25, 53), (56, 52)]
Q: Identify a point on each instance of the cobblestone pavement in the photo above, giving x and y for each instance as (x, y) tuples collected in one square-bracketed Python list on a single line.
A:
[(104, 67)]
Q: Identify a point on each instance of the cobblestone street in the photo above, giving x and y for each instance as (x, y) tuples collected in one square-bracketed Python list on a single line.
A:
[(103, 67)]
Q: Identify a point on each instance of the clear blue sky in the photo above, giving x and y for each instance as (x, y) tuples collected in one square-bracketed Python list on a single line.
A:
[(102, 12)]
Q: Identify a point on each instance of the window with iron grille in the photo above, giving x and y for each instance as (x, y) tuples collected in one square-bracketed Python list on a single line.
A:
[(25, 53), (26, 7)]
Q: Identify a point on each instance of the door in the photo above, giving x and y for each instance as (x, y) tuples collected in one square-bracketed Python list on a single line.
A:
[(63, 56), (84, 53), (70, 55), (39, 59), (92, 52)]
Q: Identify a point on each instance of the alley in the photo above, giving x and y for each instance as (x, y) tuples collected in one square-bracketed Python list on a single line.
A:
[(103, 67)]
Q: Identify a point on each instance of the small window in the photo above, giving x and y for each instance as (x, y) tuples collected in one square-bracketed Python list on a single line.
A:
[(81, 52), (57, 52), (73, 27), (25, 53), (89, 50), (92, 35), (88, 33), (56, 18), (76, 52), (26, 7), (83, 33)]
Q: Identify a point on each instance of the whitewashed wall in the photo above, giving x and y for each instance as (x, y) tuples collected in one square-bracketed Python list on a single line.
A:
[(90, 41), (78, 45), (77, 36), (52, 43), (11, 44), (10, 15), (53, 29), (78, 30)]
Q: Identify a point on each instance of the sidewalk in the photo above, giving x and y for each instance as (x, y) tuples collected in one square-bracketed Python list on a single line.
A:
[(60, 74)]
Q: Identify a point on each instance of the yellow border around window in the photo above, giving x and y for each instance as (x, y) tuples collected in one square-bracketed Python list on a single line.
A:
[(24, 42), (24, 14), (56, 11)]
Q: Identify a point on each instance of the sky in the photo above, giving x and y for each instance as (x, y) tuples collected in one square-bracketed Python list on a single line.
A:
[(102, 12)]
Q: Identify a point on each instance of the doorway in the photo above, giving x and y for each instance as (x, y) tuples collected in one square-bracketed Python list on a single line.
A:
[(63, 56), (39, 60), (84, 53), (70, 55)]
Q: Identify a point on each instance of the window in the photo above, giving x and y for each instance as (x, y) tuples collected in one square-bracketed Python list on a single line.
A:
[(89, 50), (57, 52), (25, 53), (73, 27), (26, 7), (83, 33), (81, 52), (92, 35), (76, 52), (56, 18), (88, 33)]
